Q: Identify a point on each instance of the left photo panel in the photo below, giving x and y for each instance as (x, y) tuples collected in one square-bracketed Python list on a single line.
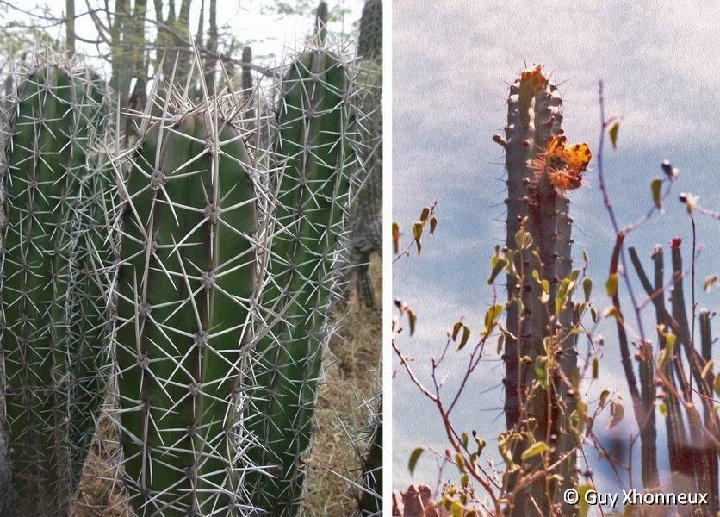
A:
[(190, 265)]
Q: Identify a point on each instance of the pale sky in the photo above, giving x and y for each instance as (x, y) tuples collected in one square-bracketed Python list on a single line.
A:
[(248, 21), (453, 64)]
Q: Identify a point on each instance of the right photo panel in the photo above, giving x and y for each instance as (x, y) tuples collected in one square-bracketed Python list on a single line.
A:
[(555, 229)]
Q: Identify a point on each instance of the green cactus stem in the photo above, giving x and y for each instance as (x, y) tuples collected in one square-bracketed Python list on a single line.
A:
[(312, 191), (186, 286), (366, 207), (52, 294)]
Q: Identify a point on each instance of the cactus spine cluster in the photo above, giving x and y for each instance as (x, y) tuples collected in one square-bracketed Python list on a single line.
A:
[(312, 192), (52, 293), (537, 212), (185, 287)]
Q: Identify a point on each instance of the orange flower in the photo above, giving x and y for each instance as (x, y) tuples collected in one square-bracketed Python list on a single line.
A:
[(563, 165)]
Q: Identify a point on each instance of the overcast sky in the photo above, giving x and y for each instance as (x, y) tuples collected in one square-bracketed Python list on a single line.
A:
[(453, 64)]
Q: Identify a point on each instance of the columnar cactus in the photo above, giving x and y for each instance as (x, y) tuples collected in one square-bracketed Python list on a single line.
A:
[(537, 219), (312, 192), (366, 224), (370, 36), (52, 291), (691, 453), (186, 286)]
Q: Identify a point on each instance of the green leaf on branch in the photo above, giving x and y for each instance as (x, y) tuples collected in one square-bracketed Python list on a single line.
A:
[(587, 288), (611, 285), (417, 230), (414, 457), (523, 239), (457, 509), (490, 316), (459, 462), (655, 189), (433, 224), (424, 214), (614, 134), (562, 294), (541, 370), (545, 296), (456, 329), (670, 339), (464, 338), (534, 450), (498, 265)]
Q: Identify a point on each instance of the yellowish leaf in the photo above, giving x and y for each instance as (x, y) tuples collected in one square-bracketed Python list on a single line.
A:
[(534, 450), (655, 189), (414, 457), (611, 285), (396, 237), (614, 134), (464, 338)]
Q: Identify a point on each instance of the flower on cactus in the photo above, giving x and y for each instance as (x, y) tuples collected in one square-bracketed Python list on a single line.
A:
[(563, 165)]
